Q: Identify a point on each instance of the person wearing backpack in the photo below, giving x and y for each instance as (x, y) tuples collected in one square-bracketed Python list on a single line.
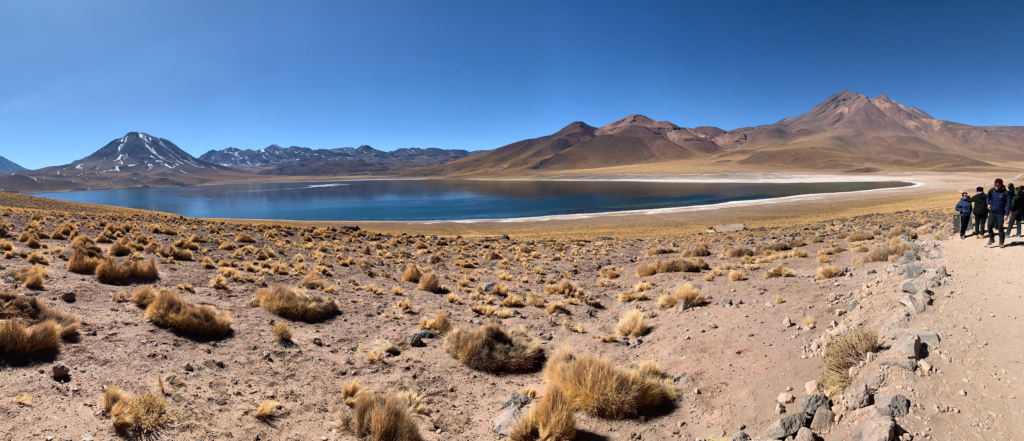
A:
[(998, 212), (1016, 211), (964, 208), (980, 203)]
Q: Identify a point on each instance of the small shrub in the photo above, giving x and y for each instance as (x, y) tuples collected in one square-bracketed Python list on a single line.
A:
[(778, 271), (411, 274), (632, 323), (597, 388), (168, 309), (295, 305), (440, 324), (828, 272), (312, 281), (687, 294), (549, 419), (266, 409), (140, 415), (842, 353), (281, 332), (429, 282), (381, 418), (111, 271), (736, 275), (493, 349)]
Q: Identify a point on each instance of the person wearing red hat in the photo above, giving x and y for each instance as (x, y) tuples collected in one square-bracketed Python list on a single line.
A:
[(998, 211)]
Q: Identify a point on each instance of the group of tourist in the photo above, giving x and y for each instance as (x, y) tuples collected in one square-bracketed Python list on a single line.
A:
[(993, 209)]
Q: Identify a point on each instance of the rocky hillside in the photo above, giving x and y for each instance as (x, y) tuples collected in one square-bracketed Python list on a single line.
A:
[(277, 160)]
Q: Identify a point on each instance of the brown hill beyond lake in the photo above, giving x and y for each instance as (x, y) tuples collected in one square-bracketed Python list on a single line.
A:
[(848, 132)]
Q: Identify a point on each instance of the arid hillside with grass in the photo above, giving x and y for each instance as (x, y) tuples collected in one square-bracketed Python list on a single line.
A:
[(847, 133), (126, 323)]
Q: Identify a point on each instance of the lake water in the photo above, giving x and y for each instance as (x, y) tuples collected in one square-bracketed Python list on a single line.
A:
[(419, 200)]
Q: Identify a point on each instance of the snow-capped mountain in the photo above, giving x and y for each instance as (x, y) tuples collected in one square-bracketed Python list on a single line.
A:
[(139, 152), (7, 166), (275, 155)]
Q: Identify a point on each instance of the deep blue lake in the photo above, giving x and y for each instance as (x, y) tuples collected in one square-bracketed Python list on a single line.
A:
[(420, 200)]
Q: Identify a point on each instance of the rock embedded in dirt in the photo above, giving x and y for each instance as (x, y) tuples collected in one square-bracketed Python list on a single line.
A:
[(509, 412), (875, 429), (930, 338), (740, 436), (805, 434), (896, 406), (908, 346), (786, 398), (426, 333), (823, 420), (60, 370), (856, 396), (68, 296), (785, 426), (897, 361), (916, 303), (416, 341), (810, 404)]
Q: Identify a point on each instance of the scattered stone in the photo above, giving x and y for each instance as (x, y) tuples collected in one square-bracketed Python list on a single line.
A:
[(930, 338), (924, 366), (416, 342), (426, 333), (805, 434), (908, 346), (856, 396), (897, 361), (488, 287), (916, 303), (189, 367), (785, 426), (509, 412), (809, 404), (780, 409), (740, 436), (317, 341), (913, 270), (875, 429), (786, 322), (908, 257), (68, 296), (898, 320), (60, 370), (823, 420), (786, 398), (896, 406), (811, 387), (9, 279)]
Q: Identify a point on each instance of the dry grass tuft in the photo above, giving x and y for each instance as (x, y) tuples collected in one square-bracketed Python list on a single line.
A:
[(32, 325), (266, 409), (632, 324), (828, 272), (549, 419), (381, 418), (441, 324), (778, 271), (281, 332), (111, 271), (808, 322), (312, 281), (490, 348), (140, 415), (429, 282), (594, 386), (842, 353), (737, 275), (168, 309), (687, 294), (294, 305), (411, 274)]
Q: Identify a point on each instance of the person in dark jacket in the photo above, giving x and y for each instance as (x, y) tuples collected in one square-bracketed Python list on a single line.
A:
[(1016, 211), (998, 212), (980, 203), (964, 208)]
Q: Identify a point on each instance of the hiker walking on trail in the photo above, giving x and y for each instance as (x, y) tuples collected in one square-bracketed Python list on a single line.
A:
[(998, 212), (1016, 211), (964, 208), (980, 212)]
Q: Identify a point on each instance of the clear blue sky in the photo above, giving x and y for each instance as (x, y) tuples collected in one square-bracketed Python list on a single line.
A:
[(477, 74)]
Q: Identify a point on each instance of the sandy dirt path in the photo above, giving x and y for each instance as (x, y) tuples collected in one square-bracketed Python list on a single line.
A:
[(981, 357)]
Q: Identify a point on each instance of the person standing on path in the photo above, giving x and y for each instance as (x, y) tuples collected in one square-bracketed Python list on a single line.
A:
[(980, 212), (964, 208), (1016, 211), (998, 212)]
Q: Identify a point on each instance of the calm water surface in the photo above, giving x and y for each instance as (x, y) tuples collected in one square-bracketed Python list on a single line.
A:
[(404, 200)]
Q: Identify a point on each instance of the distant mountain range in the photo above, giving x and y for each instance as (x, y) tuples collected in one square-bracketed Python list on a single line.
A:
[(848, 132), (277, 160), (7, 166)]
